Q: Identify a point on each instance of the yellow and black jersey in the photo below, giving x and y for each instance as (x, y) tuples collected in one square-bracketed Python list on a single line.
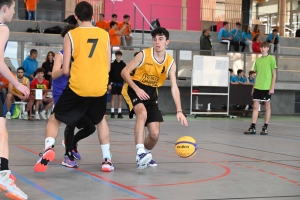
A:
[(89, 69)]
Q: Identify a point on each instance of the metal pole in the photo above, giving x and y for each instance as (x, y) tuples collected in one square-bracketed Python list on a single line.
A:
[(22, 51), (150, 13), (245, 60), (143, 31), (134, 17)]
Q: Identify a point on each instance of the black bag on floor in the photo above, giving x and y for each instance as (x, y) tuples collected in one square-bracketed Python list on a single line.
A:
[(53, 30), (33, 30), (298, 33)]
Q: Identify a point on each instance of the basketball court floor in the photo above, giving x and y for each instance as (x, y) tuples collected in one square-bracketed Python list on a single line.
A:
[(228, 164)]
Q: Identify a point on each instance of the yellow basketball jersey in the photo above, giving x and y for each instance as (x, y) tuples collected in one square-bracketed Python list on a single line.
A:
[(89, 69), (25, 81), (150, 72)]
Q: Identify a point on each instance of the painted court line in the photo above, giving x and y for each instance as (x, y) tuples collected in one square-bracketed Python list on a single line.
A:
[(116, 185)]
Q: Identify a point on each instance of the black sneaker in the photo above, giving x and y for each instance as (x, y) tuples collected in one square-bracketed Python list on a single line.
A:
[(120, 116), (250, 131), (112, 115), (264, 131)]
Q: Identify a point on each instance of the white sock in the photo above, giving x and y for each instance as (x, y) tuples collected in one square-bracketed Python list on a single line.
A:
[(106, 150), (44, 111), (49, 141), (147, 151), (119, 110), (112, 110), (140, 148), (36, 112)]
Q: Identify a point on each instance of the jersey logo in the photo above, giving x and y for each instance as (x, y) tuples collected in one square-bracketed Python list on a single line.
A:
[(163, 70), (149, 80), (149, 64)]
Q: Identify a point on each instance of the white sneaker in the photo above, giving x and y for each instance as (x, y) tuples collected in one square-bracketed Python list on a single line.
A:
[(25, 115), (43, 115), (8, 115), (143, 159), (37, 116), (8, 185)]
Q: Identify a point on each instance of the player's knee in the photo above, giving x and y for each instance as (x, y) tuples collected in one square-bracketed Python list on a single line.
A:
[(142, 114), (90, 129), (154, 134), (267, 106)]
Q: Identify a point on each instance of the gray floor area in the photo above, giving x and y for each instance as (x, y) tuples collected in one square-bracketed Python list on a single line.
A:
[(228, 164)]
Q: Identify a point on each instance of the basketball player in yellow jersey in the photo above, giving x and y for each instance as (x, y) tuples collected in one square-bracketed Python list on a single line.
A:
[(89, 47), (152, 66)]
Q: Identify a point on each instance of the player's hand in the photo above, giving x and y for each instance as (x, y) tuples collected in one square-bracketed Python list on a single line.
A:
[(109, 87), (252, 92), (182, 119), (142, 94), (271, 91), (23, 89)]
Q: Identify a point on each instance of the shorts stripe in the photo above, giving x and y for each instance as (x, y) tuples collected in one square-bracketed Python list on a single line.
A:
[(126, 96)]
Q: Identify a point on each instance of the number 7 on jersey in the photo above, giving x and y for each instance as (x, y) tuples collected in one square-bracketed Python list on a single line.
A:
[(94, 41)]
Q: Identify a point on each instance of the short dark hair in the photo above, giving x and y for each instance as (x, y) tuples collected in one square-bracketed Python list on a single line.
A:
[(255, 37), (204, 31), (40, 70), (21, 68), (114, 15), (32, 51), (126, 16), (275, 30), (119, 53), (84, 11), (225, 23), (160, 31), (238, 24), (230, 70), (251, 72), (8, 3), (67, 29), (102, 15), (239, 71), (264, 44), (112, 23)]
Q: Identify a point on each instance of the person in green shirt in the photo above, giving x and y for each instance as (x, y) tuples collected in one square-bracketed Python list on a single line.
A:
[(263, 87)]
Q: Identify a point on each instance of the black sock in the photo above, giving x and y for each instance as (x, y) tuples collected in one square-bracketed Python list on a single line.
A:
[(3, 164), (252, 125), (83, 133), (69, 135), (266, 125)]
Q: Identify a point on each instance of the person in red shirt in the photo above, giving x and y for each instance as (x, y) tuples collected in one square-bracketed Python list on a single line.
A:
[(102, 23), (256, 43), (39, 83)]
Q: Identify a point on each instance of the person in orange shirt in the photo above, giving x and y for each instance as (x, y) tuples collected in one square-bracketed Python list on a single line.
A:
[(102, 23), (126, 38), (31, 8), (115, 33), (4, 83)]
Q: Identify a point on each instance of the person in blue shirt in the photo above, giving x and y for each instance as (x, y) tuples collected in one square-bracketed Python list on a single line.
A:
[(231, 74), (251, 78), (236, 34), (224, 36), (247, 38), (30, 64), (240, 79), (273, 39)]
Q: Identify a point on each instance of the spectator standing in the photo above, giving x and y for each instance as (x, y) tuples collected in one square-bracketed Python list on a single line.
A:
[(31, 8), (205, 43), (30, 64), (247, 38), (224, 36), (102, 23), (48, 66), (116, 83), (236, 34), (126, 38), (273, 39), (256, 43), (255, 30)]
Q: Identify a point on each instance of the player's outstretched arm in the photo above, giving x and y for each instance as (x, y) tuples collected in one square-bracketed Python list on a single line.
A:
[(3, 67), (176, 95), (57, 70), (126, 76), (67, 55)]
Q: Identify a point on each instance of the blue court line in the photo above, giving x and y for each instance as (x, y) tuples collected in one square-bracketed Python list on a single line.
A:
[(54, 196), (89, 176)]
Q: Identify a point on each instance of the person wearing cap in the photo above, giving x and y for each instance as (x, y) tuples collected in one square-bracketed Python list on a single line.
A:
[(237, 37), (273, 39)]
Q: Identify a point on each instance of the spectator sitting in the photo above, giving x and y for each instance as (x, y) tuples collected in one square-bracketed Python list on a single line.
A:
[(102, 23), (114, 18), (48, 66), (231, 75), (247, 38), (4, 90), (236, 34), (114, 34), (39, 83), (126, 38), (251, 78), (239, 79), (14, 94), (205, 43), (30, 64), (224, 36), (255, 30), (273, 39), (256, 43)]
